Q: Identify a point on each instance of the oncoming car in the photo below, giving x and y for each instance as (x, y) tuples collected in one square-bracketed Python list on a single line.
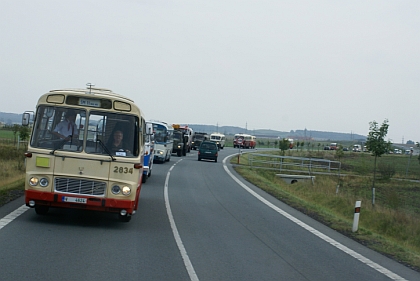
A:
[(208, 150)]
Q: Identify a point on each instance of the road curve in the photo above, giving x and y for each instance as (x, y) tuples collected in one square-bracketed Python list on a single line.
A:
[(197, 220)]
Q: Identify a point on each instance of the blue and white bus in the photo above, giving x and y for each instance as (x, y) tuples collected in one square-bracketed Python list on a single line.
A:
[(163, 140), (149, 152)]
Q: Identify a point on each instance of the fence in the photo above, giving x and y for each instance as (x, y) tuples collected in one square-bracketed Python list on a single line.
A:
[(19, 143), (294, 164)]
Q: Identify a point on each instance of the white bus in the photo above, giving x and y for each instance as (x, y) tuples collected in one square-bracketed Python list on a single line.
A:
[(85, 151), (219, 139), (163, 140)]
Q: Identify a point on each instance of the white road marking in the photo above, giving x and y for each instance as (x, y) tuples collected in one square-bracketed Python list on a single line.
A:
[(13, 215), (324, 237), (187, 261)]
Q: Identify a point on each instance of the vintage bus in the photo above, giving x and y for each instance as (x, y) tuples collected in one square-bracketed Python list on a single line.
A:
[(85, 151), (244, 141), (219, 139), (163, 140)]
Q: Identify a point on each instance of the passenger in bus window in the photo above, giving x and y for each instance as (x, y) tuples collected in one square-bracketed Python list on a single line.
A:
[(67, 129), (117, 144)]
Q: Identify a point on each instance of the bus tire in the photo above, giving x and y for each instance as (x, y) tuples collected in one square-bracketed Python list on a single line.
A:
[(143, 178), (124, 218), (178, 153), (41, 209)]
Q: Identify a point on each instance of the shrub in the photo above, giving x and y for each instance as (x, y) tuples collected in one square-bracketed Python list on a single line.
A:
[(386, 170)]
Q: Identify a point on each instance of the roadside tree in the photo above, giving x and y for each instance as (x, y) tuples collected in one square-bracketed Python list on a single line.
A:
[(339, 152), (15, 130), (284, 145), (24, 134), (377, 145)]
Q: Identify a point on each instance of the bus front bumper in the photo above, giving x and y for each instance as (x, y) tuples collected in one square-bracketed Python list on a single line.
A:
[(77, 201)]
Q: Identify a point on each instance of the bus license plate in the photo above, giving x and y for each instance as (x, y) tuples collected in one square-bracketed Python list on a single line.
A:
[(74, 200)]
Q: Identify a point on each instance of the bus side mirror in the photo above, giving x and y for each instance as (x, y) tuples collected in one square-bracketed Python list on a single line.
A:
[(26, 117), (149, 129)]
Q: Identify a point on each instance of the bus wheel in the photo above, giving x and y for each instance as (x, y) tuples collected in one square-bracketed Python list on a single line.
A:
[(124, 218), (143, 178), (41, 209)]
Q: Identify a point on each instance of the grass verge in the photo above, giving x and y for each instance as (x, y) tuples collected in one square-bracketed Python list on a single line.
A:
[(12, 191), (391, 230)]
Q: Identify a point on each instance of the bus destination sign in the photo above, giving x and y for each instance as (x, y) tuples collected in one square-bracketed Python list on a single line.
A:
[(89, 102)]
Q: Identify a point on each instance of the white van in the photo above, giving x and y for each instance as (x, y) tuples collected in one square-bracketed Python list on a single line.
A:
[(219, 139), (357, 148)]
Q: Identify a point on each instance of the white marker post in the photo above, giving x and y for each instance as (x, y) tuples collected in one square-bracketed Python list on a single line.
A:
[(356, 215), (239, 142)]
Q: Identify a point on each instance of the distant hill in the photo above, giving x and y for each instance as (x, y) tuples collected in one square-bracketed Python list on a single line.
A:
[(10, 118), (13, 118)]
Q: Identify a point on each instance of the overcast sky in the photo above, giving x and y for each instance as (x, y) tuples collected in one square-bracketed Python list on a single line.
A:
[(281, 65)]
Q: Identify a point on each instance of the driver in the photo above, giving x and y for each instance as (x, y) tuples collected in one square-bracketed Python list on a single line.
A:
[(67, 129)]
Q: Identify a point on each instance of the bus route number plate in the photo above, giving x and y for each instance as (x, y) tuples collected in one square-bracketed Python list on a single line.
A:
[(74, 200)]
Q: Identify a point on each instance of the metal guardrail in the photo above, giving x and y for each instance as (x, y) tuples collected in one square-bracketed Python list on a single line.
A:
[(294, 164)]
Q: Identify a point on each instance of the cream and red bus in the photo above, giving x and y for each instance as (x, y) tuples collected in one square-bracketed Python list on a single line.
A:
[(244, 141), (99, 166)]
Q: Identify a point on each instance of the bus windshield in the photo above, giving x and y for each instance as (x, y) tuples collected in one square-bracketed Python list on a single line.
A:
[(161, 133), (60, 128)]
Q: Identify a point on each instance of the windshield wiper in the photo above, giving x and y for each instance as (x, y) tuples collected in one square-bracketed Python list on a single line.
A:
[(60, 146), (106, 149)]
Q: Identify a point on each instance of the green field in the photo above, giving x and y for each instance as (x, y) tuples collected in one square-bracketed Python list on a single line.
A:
[(6, 134)]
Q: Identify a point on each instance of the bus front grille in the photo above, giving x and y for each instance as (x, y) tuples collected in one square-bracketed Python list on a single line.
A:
[(77, 186)]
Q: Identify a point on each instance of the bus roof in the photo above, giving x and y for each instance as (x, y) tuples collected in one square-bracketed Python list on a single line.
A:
[(93, 91), (91, 97), (161, 123), (217, 134)]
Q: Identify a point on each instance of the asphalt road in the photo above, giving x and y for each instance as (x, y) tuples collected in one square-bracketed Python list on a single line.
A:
[(196, 221)]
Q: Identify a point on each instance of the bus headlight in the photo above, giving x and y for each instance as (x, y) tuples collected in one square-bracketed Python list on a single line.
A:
[(126, 190), (33, 181), (43, 182), (159, 152), (115, 189)]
